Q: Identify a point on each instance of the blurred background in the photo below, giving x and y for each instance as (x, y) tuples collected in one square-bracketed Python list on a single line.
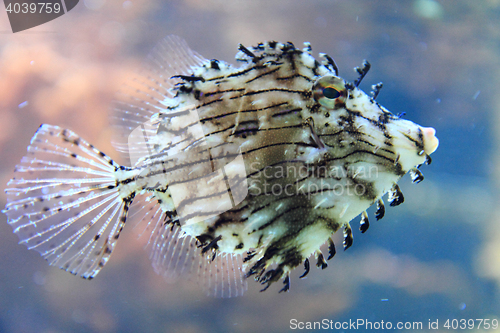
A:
[(436, 257)]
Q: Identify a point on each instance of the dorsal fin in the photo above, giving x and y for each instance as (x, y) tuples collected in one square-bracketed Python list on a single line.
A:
[(146, 94)]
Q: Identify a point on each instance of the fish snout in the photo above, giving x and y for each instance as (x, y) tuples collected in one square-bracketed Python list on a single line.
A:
[(430, 141)]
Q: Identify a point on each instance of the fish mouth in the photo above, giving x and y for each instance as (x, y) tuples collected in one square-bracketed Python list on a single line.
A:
[(431, 143)]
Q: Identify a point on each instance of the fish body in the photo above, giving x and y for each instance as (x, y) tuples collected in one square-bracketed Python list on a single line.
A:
[(237, 171)]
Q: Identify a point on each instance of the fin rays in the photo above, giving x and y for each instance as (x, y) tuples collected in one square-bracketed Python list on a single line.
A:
[(141, 98), (174, 253), (73, 220)]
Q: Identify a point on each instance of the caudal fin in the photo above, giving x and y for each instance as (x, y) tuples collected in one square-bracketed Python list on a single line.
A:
[(64, 202)]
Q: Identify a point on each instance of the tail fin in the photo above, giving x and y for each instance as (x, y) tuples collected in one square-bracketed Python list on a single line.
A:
[(64, 202)]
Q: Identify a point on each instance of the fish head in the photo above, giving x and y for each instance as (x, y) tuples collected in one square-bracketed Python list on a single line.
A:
[(356, 123)]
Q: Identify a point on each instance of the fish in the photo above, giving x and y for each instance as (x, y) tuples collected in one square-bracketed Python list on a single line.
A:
[(233, 172)]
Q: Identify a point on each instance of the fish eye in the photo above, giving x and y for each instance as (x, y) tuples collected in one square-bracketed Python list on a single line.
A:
[(331, 93), (329, 90)]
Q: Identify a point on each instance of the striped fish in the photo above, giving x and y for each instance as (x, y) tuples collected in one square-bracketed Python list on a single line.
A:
[(234, 171)]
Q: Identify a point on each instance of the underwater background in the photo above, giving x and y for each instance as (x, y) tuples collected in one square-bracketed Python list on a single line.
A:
[(435, 257)]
